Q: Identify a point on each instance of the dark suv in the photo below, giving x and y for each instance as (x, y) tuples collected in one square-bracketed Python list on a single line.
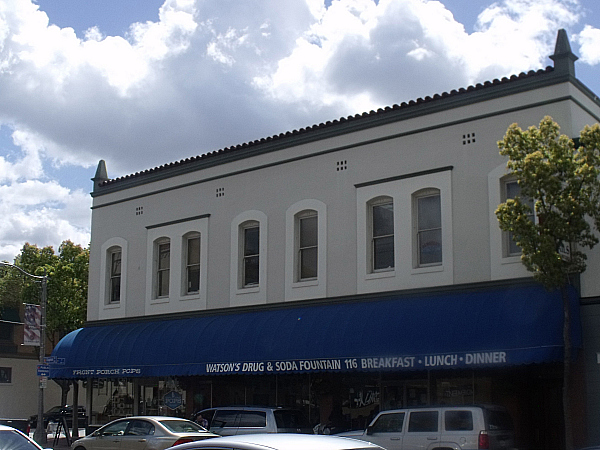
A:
[(230, 420), (54, 415)]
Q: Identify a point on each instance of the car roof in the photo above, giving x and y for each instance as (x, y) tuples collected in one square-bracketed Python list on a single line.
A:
[(251, 408), (283, 441)]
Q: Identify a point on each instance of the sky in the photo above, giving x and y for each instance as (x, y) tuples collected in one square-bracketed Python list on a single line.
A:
[(144, 83)]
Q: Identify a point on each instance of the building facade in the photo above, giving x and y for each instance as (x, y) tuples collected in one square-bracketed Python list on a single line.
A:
[(344, 268)]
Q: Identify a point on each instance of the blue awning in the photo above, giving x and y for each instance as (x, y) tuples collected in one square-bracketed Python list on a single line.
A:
[(494, 327)]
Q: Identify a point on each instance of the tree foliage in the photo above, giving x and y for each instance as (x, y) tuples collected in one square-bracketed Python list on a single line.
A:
[(67, 286), (562, 178)]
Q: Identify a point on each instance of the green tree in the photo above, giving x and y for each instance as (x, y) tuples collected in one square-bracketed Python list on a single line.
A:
[(562, 179), (67, 273)]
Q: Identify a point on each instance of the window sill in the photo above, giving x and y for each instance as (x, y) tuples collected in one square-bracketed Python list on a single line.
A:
[(305, 283), (248, 290), (511, 259), (192, 296), (427, 269), (115, 305), (381, 274), (156, 301)]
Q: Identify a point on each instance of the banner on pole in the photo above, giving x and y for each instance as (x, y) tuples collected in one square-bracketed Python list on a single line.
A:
[(33, 324)]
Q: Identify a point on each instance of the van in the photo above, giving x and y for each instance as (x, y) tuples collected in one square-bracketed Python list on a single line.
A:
[(232, 420), (440, 428)]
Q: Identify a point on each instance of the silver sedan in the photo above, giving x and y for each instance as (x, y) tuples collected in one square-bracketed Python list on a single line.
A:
[(143, 433), (282, 441)]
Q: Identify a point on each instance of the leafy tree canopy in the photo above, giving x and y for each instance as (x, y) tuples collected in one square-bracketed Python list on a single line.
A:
[(562, 178), (67, 285)]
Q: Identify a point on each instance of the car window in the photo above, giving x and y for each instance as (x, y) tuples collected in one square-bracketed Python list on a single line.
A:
[(140, 428), (253, 419), (181, 426), (289, 418), (12, 440), (423, 421), (458, 420), (224, 418), (388, 423), (208, 415), (115, 429)]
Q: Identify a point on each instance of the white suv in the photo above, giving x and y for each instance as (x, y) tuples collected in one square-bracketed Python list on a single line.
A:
[(447, 427)]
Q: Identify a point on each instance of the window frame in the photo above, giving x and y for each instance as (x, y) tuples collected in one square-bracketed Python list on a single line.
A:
[(112, 276), (508, 251), (158, 271), (372, 204), (304, 250), (187, 238), (247, 257), (418, 231)]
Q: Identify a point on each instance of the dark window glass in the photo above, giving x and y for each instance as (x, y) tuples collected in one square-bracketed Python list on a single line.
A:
[(309, 239), (224, 419), (458, 420), (5, 374), (512, 190), (423, 421), (164, 265), (251, 256), (115, 277), (193, 264), (429, 230), (253, 419), (140, 428), (383, 236), (290, 419), (115, 429), (388, 423)]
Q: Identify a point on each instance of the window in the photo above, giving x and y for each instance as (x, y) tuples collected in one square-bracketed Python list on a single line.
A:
[(511, 191), (382, 234), (5, 375), (253, 419), (192, 269), (458, 420), (388, 423), (163, 267), (251, 254), (115, 277), (427, 206), (423, 421), (308, 237)]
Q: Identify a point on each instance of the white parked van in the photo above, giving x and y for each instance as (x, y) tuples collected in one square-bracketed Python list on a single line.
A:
[(440, 428)]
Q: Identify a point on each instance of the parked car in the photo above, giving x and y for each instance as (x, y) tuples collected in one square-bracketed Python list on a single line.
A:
[(463, 427), (231, 420), (20, 424), (55, 413), (13, 439), (143, 432), (290, 441)]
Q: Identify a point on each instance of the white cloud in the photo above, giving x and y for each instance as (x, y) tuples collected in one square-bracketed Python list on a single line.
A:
[(208, 75), (589, 40)]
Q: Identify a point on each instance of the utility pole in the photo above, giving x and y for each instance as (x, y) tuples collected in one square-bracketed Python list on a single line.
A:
[(39, 435)]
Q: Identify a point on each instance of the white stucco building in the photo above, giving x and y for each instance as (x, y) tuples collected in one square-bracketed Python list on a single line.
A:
[(342, 268)]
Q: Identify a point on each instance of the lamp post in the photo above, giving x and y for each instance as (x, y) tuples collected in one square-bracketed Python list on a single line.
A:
[(39, 435)]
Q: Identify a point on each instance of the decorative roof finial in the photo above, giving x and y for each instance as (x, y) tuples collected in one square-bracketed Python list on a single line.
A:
[(564, 59), (101, 174)]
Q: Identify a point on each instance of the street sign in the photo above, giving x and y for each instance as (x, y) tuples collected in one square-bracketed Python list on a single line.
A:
[(43, 370), (43, 382)]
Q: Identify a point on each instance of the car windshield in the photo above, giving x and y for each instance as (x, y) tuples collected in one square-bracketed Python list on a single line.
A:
[(12, 440), (56, 409), (181, 426)]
